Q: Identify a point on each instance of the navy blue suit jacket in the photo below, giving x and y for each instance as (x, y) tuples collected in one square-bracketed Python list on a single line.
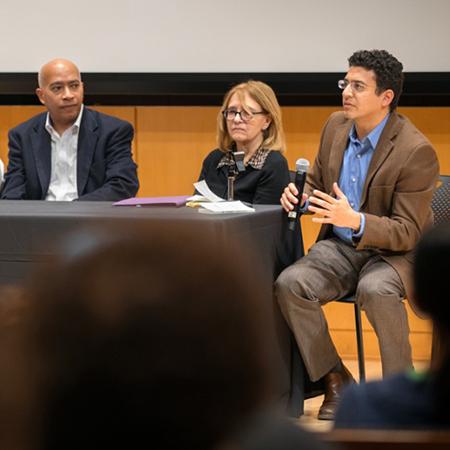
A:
[(105, 169)]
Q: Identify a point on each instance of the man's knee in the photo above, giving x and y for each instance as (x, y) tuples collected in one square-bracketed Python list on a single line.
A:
[(285, 283), (373, 290), (293, 282)]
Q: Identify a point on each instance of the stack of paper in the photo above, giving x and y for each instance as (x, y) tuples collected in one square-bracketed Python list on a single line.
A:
[(226, 207), (211, 203), (2, 171), (206, 194)]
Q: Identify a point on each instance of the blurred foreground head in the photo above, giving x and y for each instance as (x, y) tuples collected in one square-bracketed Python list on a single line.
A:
[(431, 275), (150, 337)]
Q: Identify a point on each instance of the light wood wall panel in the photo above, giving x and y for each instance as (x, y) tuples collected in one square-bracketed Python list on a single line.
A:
[(303, 126), (11, 116), (341, 321), (435, 124), (171, 143), (303, 132)]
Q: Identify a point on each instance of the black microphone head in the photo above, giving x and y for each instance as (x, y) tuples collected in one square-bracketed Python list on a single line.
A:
[(302, 165), (239, 160)]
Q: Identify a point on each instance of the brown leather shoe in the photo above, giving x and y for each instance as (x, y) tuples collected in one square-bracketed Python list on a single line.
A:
[(334, 382)]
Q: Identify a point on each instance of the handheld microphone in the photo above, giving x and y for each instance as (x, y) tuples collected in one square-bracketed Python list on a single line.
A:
[(302, 166)]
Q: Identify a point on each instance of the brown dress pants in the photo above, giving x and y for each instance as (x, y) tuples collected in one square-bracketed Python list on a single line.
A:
[(332, 270)]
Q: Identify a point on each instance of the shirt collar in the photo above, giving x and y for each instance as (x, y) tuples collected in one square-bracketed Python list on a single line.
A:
[(373, 137), (256, 161), (259, 158), (75, 126)]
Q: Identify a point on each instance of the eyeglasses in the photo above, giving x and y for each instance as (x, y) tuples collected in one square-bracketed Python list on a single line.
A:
[(246, 116), (355, 86)]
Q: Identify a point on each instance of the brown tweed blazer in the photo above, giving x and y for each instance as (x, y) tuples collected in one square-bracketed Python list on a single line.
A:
[(397, 193)]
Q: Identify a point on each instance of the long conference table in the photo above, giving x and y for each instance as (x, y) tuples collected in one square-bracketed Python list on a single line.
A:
[(31, 232)]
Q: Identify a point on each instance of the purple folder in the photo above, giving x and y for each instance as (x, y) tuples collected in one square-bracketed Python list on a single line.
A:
[(179, 200)]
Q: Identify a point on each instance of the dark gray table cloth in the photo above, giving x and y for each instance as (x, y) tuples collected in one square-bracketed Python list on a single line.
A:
[(32, 231)]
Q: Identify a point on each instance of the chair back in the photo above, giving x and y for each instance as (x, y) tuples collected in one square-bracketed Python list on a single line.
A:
[(441, 201)]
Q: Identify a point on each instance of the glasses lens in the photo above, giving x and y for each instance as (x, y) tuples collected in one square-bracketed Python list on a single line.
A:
[(342, 84), (229, 114), (246, 116)]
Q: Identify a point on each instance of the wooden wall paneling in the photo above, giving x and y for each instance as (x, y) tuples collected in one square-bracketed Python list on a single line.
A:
[(172, 143), (11, 116), (127, 113), (345, 342), (303, 126), (435, 124), (341, 321)]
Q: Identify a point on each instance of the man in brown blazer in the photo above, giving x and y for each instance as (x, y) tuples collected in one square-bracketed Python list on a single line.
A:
[(370, 187)]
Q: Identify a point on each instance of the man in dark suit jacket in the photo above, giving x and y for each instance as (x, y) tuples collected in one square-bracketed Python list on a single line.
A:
[(70, 152), (370, 187)]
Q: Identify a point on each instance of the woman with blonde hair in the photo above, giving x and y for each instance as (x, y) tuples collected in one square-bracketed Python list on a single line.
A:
[(249, 122)]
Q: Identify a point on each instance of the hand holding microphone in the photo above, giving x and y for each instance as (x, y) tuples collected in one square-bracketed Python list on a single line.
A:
[(290, 199)]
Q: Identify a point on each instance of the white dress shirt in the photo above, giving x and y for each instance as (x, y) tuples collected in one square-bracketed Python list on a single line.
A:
[(63, 178), (2, 172)]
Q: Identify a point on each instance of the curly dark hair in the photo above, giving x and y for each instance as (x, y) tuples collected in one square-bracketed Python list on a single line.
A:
[(388, 71)]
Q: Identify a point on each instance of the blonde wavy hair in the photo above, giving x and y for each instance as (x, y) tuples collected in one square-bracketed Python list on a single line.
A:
[(263, 94)]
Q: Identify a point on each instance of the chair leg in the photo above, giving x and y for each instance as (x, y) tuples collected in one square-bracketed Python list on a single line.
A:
[(360, 344)]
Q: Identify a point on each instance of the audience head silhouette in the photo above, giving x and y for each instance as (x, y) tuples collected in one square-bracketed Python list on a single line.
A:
[(143, 339), (413, 400), (431, 275)]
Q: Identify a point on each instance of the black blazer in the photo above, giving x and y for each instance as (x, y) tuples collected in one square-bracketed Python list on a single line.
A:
[(105, 169)]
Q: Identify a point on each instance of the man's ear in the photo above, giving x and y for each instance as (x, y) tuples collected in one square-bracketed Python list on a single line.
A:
[(387, 97), (40, 95)]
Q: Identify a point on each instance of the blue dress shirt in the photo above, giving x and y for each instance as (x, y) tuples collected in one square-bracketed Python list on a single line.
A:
[(357, 157)]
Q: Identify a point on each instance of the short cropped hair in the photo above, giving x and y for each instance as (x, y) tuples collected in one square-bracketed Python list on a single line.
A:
[(387, 68), (263, 94)]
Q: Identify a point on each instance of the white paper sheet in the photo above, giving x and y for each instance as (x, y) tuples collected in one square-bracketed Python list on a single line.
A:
[(226, 207), (2, 172), (206, 192)]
